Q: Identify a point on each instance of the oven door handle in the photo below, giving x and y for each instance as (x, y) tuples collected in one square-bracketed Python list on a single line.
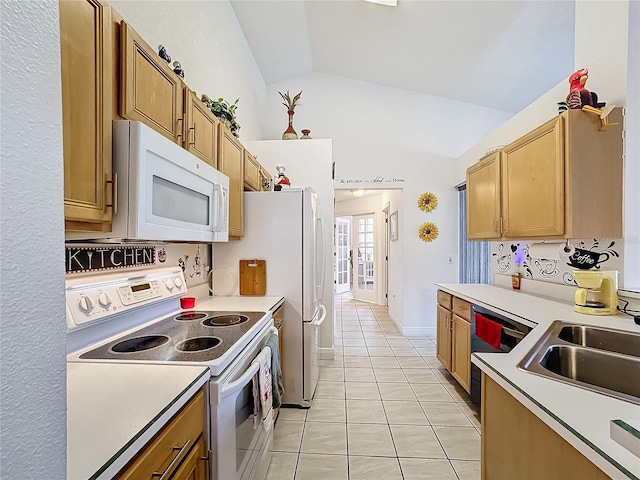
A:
[(239, 384), (246, 377)]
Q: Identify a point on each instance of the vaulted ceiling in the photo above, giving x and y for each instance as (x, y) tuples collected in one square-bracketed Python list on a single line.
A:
[(500, 54)]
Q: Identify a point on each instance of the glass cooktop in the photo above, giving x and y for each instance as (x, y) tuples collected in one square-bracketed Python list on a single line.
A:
[(190, 336)]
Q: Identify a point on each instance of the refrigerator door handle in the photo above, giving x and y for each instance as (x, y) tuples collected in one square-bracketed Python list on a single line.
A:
[(320, 320), (322, 259)]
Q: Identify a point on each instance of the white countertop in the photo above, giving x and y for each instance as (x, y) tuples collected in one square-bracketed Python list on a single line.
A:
[(579, 416), (239, 303), (114, 409)]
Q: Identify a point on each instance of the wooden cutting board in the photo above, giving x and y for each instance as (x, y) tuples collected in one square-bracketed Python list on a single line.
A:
[(253, 277)]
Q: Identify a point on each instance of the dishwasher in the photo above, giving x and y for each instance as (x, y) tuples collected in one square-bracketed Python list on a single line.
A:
[(511, 333)]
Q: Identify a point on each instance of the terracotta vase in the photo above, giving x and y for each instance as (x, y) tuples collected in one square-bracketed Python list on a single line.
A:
[(290, 133)]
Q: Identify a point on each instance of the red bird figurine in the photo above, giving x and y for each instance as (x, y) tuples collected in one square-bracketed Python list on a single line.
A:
[(578, 95)]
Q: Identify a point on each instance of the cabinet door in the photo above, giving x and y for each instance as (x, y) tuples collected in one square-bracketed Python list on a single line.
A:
[(483, 199), (443, 341), (201, 128), (231, 163), (251, 172), (265, 180), (86, 63), (533, 183), (461, 352), (149, 90), (509, 429), (171, 446), (194, 466)]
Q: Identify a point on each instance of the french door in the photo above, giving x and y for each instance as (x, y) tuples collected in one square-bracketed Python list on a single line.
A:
[(343, 247), (364, 257)]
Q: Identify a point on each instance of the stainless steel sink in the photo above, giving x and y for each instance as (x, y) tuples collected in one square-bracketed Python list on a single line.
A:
[(603, 360), (602, 339)]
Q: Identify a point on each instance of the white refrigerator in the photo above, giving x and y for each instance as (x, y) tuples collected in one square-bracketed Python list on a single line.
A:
[(285, 229)]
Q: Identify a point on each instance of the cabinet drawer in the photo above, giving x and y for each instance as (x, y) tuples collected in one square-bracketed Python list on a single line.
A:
[(177, 438), (444, 299), (462, 308)]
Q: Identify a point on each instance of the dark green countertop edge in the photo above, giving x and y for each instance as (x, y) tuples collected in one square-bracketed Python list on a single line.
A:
[(628, 428), (564, 424), (146, 427)]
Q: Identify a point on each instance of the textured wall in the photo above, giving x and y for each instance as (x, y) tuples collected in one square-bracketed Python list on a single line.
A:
[(206, 38), (32, 326), (390, 138)]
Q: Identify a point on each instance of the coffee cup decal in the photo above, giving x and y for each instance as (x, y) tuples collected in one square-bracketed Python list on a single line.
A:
[(587, 259)]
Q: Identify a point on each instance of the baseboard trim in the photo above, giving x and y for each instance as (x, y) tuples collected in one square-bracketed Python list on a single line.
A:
[(326, 353), (416, 331)]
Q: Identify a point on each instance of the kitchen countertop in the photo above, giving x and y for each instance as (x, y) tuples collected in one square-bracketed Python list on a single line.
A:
[(114, 409), (579, 416), (239, 303)]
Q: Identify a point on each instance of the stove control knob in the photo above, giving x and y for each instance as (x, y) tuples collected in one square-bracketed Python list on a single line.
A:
[(86, 304), (178, 282), (104, 300), (169, 284)]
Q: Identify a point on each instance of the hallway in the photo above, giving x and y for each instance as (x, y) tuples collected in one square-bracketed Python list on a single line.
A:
[(385, 408)]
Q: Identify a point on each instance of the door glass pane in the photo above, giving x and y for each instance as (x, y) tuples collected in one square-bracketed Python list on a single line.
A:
[(365, 255)]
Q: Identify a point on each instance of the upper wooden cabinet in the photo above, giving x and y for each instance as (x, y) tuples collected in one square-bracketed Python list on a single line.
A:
[(86, 64), (231, 163), (533, 183), (562, 180), (149, 90), (266, 180), (201, 129), (252, 170), (483, 198)]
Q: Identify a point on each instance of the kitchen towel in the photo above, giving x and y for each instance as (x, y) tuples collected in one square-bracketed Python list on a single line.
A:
[(488, 330), (264, 388), (277, 386)]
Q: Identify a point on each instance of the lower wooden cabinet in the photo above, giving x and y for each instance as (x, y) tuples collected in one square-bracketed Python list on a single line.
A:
[(516, 444), (172, 450), (453, 347), (194, 466), (461, 352), (443, 348)]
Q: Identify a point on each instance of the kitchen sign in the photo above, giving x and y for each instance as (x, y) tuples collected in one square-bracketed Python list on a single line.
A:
[(377, 180), (84, 259)]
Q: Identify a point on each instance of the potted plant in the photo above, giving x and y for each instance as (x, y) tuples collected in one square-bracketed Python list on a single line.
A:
[(224, 111)]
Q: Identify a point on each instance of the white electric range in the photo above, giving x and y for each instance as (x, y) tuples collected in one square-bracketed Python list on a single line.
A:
[(134, 317)]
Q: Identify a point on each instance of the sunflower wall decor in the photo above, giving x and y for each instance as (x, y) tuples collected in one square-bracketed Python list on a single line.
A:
[(427, 202), (428, 232)]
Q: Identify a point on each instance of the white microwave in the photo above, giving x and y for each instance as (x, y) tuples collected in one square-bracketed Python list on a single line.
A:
[(164, 192)]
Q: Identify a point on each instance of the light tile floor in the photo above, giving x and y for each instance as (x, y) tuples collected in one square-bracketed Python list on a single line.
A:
[(385, 408)]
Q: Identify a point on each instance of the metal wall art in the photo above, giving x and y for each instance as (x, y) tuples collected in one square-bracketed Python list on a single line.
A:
[(427, 202), (428, 232)]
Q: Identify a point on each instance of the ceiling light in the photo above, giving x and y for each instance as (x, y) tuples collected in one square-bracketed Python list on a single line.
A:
[(357, 193), (388, 3)]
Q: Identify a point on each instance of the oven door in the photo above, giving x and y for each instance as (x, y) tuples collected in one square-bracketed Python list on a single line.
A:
[(240, 448)]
